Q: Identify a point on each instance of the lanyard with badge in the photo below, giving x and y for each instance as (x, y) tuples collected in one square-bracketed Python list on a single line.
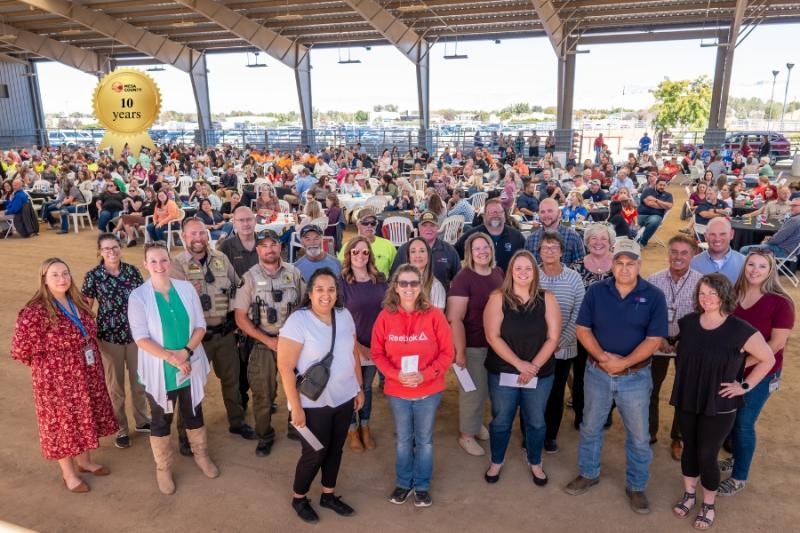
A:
[(672, 309), (74, 317)]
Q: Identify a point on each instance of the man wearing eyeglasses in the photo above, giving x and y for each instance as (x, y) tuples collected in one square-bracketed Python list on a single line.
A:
[(787, 239), (383, 249), (270, 291), (214, 278)]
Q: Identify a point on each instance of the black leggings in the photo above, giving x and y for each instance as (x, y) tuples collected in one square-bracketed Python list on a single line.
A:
[(702, 438), (160, 421), (329, 425), (555, 403)]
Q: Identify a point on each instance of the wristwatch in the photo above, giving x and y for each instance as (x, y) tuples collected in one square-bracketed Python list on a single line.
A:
[(189, 351), (745, 386)]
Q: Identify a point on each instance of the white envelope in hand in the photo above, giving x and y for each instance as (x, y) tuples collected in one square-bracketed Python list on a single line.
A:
[(409, 364), (464, 378), (510, 380)]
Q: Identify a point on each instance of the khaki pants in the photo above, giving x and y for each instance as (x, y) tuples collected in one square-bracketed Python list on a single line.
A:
[(115, 358), (262, 373), (223, 356), (471, 405)]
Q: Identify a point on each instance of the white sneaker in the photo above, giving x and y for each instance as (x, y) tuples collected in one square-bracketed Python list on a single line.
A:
[(483, 434), (471, 446)]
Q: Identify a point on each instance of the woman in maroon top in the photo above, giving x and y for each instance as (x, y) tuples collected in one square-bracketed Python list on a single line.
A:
[(468, 295), (764, 304), (56, 336)]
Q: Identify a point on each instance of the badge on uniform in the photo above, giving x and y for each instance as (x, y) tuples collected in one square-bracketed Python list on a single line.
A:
[(88, 353), (194, 267), (216, 263)]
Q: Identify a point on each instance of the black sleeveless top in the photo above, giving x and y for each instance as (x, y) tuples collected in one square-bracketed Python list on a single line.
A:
[(525, 331)]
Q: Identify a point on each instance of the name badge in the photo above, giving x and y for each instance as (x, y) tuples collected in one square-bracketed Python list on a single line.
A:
[(88, 353), (671, 314), (774, 384)]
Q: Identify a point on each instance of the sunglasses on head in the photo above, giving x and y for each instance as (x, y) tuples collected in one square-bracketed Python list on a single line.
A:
[(761, 251), (355, 252), (404, 284)]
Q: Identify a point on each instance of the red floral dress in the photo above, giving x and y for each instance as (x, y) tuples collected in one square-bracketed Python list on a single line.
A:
[(72, 403)]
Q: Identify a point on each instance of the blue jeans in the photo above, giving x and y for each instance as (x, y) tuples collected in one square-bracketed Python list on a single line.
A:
[(47, 214), (650, 224), (227, 229), (505, 401), (159, 233), (744, 428), (414, 420), (65, 212), (776, 250), (631, 393), (104, 217), (368, 374)]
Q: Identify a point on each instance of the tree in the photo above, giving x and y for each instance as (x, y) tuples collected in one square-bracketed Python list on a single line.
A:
[(682, 103), (361, 116)]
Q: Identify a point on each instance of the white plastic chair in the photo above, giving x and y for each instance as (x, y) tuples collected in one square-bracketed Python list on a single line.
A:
[(478, 201), (451, 228), (83, 215), (787, 266), (699, 233), (374, 183), (398, 230), (174, 228), (377, 203), (284, 206), (185, 185)]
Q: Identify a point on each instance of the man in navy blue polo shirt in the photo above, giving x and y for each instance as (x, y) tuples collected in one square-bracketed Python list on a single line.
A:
[(621, 323), (653, 207)]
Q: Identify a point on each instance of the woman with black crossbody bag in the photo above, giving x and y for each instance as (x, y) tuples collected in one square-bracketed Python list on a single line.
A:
[(321, 374)]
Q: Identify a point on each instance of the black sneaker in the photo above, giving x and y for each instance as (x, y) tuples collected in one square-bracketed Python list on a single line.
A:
[(422, 498), (144, 428), (304, 510), (399, 496), (122, 442), (246, 432), (335, 504), (550, 446), (263, 448), (184, 447)]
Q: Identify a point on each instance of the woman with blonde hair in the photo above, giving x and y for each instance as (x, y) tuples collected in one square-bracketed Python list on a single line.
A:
[(523, 325), (764, 304), (410, 324), (56, 335)]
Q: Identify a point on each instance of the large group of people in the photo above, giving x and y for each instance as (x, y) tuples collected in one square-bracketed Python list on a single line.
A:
[(532, 300)]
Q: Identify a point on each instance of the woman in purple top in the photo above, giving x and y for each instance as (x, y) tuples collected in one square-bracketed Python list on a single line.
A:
[(363, 288)]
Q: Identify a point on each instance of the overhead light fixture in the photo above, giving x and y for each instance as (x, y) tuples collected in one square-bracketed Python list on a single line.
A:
[(288, 16), (183, 24), (70, 31), (8, 37), (28, 75), (349, 60), (255, 64), (156, 68), (412, 7), (455, 54)]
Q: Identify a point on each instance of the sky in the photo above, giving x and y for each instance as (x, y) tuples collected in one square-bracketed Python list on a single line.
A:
[(494, 76)]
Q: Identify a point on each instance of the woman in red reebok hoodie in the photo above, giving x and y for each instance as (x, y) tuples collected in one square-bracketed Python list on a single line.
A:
[(407, 326)]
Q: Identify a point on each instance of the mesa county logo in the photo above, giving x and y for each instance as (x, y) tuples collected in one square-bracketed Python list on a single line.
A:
[(118, 87)]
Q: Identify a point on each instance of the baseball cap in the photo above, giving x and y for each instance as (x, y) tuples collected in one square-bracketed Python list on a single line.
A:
[(594, 182), (366, 213), (267, 234), (628, 247), (428, 216), (308, 228)]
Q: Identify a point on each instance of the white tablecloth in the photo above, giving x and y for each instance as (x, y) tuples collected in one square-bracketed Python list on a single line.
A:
[(349, 202), (279, 226)]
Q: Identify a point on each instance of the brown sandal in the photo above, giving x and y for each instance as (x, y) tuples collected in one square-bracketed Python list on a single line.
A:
[(703, 519), (681, 505)]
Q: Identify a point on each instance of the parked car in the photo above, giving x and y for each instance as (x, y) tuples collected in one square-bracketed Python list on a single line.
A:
[(781, 147)]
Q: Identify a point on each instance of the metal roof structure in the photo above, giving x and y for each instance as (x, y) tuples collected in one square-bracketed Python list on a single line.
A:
[(315, 23)]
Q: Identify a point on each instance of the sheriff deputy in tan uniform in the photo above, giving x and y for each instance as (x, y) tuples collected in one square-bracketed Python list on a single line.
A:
[(215, 280), (270, 291)]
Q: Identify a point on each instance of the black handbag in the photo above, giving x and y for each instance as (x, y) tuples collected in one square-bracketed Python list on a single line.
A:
[(313, 381)]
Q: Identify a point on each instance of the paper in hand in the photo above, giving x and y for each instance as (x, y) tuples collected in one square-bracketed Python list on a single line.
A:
[(511, 380), (464, 378), (409, 364), (309, 437)]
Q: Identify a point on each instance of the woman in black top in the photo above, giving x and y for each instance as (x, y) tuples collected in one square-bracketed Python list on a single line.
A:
[(109, 206), (522, 324), (713, 349), (213, 221)]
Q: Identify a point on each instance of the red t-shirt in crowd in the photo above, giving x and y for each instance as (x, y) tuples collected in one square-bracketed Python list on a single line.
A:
[(769, 312), (423, 333), (477, 288)]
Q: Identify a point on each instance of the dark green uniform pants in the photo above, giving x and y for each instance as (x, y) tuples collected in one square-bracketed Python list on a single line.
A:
[(262, 372)]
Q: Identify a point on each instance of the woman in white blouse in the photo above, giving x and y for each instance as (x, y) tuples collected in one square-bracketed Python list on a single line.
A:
[(168, 326), (305, 339), (419, 255)]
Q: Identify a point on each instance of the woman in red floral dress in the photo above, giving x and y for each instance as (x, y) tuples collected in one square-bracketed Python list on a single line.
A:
[(55, 335)]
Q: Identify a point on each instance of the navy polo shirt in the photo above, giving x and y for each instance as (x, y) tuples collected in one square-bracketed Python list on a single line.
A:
[(645, 209), (527, 202), (621, 324)]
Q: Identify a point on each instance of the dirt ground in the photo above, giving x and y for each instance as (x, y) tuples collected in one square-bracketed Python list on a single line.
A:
[(253, 493)]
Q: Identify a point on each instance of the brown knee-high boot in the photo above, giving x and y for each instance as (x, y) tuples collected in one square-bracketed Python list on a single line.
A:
[(198, 438), (162, 453)]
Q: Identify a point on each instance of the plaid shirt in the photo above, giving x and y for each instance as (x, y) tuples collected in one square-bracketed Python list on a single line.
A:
[(463, 208), (573, 244), (679, 296)]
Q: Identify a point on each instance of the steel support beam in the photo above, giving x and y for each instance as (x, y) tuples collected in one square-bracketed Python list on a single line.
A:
[(551, 21), (72, 56), (11, 59), (36, 103), (410, 43), (648, 37), (302, 77), (285, 50), (199, 77), (566, 86)]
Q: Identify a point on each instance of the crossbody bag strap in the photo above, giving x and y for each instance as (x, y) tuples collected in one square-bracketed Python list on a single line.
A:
[(328, 359)]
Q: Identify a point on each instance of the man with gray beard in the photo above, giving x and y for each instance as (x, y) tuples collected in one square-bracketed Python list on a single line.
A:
[(506, 239), (315, 256)]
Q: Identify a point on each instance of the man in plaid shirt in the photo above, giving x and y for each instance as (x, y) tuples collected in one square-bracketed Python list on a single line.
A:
[(550, 218)]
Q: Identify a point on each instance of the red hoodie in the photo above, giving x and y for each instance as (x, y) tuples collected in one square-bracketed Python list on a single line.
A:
[(423, 333)]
